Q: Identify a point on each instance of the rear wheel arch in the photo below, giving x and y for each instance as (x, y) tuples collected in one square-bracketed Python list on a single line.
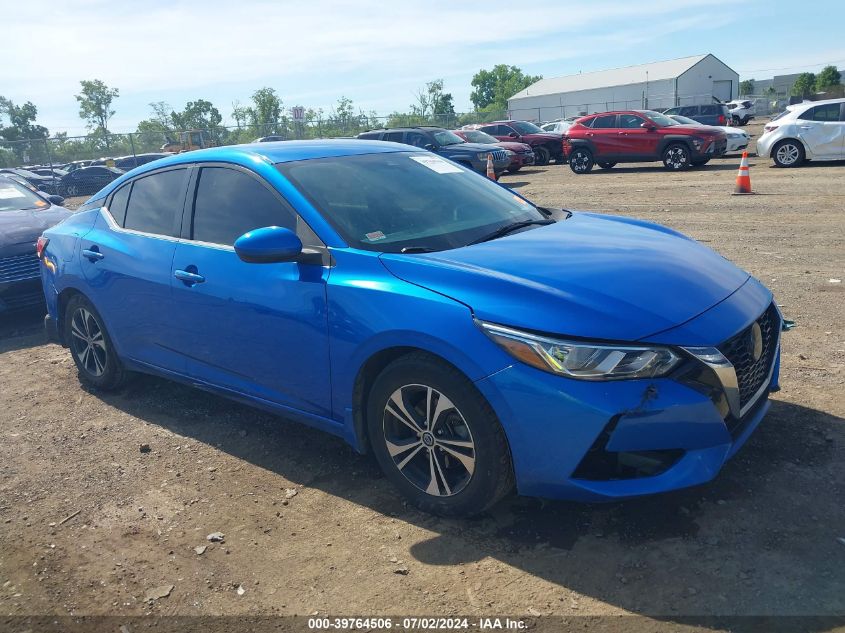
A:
[(61, 307)]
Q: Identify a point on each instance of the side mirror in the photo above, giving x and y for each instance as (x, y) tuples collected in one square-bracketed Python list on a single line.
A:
[(429, 147), (57, 200), (649, 126), (268, 245), (513, 135)]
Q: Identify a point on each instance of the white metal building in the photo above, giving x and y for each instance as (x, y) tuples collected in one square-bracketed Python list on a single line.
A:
[(684, 81)]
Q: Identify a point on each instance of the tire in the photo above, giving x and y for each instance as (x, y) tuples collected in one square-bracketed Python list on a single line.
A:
[(735, 120), (458, 464), (72, 190), (788, 153), (676, 157), (541, 156), (746, 120), (700, 162), (99, 366), (606, 165), (581, 160)]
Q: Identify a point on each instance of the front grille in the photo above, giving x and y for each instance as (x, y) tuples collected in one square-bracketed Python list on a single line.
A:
[(499, 154), (19, 268), (750, 373), (21, 301)]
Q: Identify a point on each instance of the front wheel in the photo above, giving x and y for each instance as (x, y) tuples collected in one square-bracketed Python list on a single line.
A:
[(676, 157), (735, 120), (91, 347), (788, 153), (541, 156), (437, 439), (72, 190), (581, 161), (606, 165)]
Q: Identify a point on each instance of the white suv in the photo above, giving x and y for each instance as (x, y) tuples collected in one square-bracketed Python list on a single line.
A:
[(810, 130), (741, 111)]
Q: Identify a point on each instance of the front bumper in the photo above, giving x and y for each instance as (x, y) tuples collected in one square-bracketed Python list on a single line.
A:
[(737, 144), (600, 441), (764, 145), (522, 160)]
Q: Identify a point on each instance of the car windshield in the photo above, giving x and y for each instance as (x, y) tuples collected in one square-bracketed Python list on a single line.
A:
[(684, 120), (388, 202), (658, 118), (14, 197), (477, 136), (524, 127), (444, 137)]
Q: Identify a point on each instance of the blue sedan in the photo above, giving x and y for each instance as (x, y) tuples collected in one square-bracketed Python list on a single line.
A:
[(471, 341)]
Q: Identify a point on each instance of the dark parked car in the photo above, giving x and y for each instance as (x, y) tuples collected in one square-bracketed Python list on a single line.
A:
[(637, 136), (447, 144), (24, 215), (131, 162), (546, 145), (87, 180), (708, 114), (521, 154), (48, 184)]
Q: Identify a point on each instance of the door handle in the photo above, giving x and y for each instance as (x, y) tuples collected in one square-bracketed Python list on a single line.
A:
[(590, 133), (92, 254), (806, 127), (622, 133), (188, 277)]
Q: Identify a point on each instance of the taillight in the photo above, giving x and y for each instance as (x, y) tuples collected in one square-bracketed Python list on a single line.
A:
[(722, 119), (40, 245), (770, 128)]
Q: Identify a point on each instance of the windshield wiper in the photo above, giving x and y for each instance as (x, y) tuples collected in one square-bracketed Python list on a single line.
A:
[(508, 228), (417, 249)]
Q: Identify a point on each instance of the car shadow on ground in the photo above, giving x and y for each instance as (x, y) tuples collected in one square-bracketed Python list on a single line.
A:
[(739, 545), (22, 329), (660, 168)]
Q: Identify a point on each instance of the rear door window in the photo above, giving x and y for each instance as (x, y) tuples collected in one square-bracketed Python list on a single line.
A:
[(827, 112), (417, 139), (688, 111), (230, 202), (155, 205), (711, 110), (396, 137), (604, 122)]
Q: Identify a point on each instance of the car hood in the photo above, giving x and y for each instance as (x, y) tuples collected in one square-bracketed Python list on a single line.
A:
[(24, 227), (544, 137), (693, 130), (471, 147), (590, 276)]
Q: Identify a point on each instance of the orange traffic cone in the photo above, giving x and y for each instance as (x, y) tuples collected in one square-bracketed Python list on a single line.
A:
[(491, 172), (743, 179)]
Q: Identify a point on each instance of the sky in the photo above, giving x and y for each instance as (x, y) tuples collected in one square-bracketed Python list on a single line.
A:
[(377, 53)]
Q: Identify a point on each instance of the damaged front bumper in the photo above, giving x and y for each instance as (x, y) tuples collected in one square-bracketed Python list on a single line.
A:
[(600, 441)]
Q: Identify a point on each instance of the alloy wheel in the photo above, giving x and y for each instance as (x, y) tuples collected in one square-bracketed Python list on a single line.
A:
[(787, 154), (580, 162), (676, 158), (429, 440), (88, 342)]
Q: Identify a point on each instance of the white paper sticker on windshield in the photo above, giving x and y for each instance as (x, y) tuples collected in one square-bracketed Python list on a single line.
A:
[(7, 193), (435, 163)]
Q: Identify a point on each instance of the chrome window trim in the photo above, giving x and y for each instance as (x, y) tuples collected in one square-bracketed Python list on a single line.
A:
[(114, 226)]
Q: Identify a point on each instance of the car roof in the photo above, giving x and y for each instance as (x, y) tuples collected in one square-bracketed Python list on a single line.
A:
[(795, 106), (273, 153)]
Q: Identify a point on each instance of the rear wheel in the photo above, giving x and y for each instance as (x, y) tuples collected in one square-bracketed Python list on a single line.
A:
[(735, 120), (72, 190), (581, 161), (436, 438), (606, 165), (788, 153), (90, 346), (541, 156), (676, 157)]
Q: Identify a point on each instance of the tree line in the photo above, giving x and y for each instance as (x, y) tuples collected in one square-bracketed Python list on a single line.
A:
[(264, 114), (828, 82)]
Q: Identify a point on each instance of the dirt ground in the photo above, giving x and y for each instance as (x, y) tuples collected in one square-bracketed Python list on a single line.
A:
[(89, 524)]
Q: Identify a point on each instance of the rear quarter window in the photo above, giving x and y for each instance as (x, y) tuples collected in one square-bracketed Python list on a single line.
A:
[(117, 204)]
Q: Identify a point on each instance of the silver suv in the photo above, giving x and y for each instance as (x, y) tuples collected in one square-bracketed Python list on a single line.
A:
[(805, 131)]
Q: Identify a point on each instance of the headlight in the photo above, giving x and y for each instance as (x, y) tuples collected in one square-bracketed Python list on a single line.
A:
[(484, 155), (585, 361)]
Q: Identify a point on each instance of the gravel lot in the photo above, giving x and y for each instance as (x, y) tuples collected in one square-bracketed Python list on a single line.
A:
[(89, 524)]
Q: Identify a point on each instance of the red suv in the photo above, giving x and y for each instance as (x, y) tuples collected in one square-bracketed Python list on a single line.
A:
[(637, 136), (546, 145)]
